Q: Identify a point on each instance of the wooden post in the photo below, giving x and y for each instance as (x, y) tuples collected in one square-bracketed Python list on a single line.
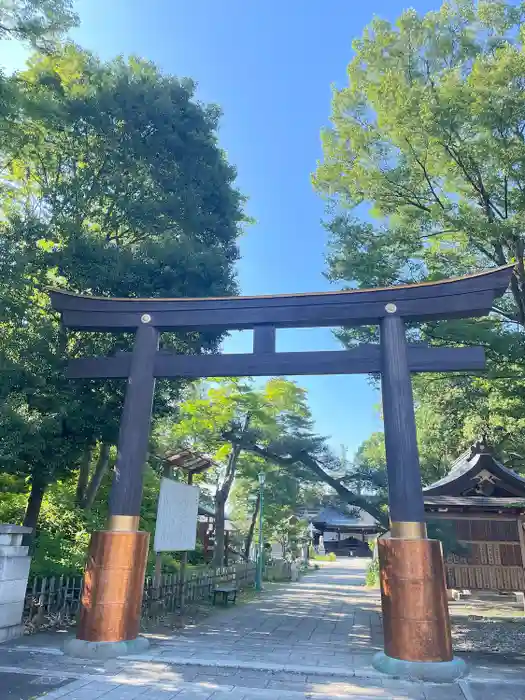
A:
[(405, 494), (184, 559), (114, 577), (157, 576), (413, 592), (126, 489)]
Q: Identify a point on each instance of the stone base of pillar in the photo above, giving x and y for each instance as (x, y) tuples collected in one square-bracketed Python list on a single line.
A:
[(81, 649), (14, 571), (415, 611), (112, 595), (429, 671)]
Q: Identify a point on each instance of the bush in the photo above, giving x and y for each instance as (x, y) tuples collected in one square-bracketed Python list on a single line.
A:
[(324, 557), (372, 574), (64, 529)]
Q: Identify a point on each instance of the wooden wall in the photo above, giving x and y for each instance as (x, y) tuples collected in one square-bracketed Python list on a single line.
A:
[(495, 560)]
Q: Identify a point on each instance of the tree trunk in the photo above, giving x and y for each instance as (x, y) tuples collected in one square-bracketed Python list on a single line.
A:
[(249, 537), (34, 504), (83, 475), (222, 496), (98, 475), (218, 547)]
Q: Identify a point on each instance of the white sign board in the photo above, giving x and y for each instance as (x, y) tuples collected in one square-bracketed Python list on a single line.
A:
[(277, 550), (176, 528)]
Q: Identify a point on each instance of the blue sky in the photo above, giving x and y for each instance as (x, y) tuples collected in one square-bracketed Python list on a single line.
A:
[(269, 65)]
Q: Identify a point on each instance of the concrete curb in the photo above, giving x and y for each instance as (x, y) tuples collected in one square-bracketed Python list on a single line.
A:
[(340, 671)]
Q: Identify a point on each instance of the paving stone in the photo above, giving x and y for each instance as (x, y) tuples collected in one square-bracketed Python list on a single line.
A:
[(16, 686), (75, 685), (212, 679), (125, 692), (260, 681), (445, 692), (357, 685), (86, 694), (405, 689), (298, 686), (235, 694), (314, 639), (495, 691)]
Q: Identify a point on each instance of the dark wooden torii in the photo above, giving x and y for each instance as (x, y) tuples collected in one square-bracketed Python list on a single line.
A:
[(394, 359)]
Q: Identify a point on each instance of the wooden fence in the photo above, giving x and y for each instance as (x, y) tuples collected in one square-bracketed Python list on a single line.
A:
[(494, 553), (55, 601), (51, 601), (171, 594)]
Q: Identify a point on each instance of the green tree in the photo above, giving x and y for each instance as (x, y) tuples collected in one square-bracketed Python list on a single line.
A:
[(114, 185), (42, 23), (283, 495), (307, 456), (216, 412), (39, 23), (428, 137)]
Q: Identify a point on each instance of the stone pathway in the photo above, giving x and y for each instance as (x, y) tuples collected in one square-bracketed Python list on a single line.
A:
[(326, 619), (312, 639)]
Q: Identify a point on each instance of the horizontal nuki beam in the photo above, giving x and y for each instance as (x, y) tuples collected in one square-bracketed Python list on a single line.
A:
[(455, 298), (364, 359)]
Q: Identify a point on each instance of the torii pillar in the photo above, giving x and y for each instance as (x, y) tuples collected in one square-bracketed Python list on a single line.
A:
[(416, 621), (111, 602)]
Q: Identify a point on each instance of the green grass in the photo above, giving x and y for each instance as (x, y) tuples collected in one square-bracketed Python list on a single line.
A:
[(372, 574), (325, 557)]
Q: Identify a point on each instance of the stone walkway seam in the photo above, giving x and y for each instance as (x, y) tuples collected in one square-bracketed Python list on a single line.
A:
[(50, 674), (466, 690), (88, 687), (338, 671), (109, 690), (88, 677)]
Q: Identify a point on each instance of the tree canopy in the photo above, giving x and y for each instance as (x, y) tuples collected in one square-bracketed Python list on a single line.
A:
[(114, 184), (209, 421), (423, 168), (41, 23)]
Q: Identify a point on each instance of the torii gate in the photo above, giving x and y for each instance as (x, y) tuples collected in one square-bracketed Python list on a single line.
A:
[(415, 611)]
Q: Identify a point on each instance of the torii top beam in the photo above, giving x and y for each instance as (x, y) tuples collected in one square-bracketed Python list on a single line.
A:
[(460, 297)]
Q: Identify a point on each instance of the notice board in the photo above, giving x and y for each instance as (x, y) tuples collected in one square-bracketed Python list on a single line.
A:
[(176, 528)]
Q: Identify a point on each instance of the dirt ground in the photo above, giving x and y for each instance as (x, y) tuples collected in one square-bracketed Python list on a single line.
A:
[(493, 626)]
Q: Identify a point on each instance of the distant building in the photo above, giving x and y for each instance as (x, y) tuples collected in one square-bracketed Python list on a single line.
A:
[(482, 505), (206, 532), (345, 534)]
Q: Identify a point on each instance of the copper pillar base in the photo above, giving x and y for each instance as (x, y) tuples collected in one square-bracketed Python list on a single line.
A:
[(414, 600), (113, 586)]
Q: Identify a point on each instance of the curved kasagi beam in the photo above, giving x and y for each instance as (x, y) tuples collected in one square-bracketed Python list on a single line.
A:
[(454, 298)]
